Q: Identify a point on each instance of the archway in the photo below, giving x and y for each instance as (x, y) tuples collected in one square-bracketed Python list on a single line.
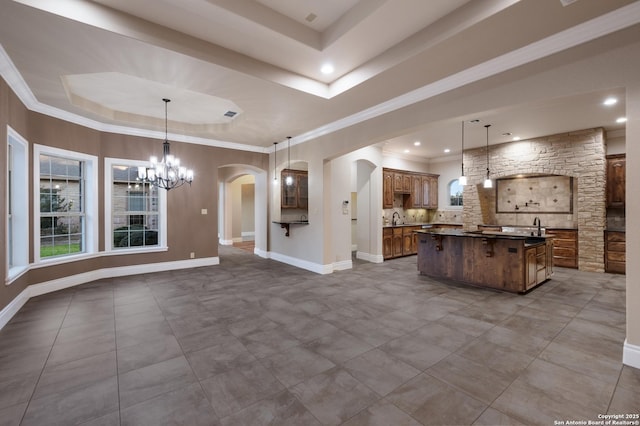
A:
[(242, 206)]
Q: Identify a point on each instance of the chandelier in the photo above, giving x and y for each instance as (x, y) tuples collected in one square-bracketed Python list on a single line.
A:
[(166, 173)]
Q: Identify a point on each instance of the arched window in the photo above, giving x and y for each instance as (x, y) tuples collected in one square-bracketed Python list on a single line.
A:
[(455, 193)]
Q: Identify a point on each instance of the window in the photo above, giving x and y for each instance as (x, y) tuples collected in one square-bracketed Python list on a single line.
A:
[(135, 212), (17, 204), (66, 191), (455, 193)]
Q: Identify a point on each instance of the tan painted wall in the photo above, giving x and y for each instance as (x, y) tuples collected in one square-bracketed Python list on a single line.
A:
[(187, 229)]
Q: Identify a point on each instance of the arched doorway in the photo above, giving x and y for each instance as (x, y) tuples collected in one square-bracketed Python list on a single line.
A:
[(242, 206)]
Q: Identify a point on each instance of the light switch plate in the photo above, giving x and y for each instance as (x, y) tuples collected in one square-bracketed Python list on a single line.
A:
[(203, 211)]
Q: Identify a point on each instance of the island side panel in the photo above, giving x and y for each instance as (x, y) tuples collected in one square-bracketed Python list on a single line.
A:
[(488, 262)]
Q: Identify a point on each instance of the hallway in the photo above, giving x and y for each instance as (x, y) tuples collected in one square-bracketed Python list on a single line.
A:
[(254, 341)]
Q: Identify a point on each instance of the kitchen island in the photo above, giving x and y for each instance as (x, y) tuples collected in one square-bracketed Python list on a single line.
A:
[(502, 261)]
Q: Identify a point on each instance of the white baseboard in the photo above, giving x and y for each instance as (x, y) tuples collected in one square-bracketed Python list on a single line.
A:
[(304, 264), (73, 280), (343, 265), (262, 253), (373, 258), (226, 242), (631, 355), (13, 307), (248, 233)]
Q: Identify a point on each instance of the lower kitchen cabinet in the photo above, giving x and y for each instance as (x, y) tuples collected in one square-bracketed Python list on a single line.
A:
[(565, 247), (615, 252), (399, 241)]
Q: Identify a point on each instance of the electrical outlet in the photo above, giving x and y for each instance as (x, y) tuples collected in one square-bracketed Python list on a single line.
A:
[(192, 255)]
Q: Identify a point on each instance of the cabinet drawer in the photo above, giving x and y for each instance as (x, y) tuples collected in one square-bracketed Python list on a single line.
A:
[(616, 236), (387, 232), (397, 231), (616, 246), (563, 252), (616, 256), (563, 235)]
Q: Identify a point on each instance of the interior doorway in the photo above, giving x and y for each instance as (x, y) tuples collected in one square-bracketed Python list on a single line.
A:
[(242, 208)]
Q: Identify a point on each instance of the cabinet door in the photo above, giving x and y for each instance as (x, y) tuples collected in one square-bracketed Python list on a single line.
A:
[(387, 190), (426, 191), (397, 182), (406, 184), (289, 199), (433, 193), (416, 192), (616, 181), (430, 192), (407, 244), (387, 245), (303, 190), (549, 266), (531, 269), (397, 242)]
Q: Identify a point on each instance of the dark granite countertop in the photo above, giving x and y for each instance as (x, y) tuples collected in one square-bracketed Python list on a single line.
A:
[(528, 240)]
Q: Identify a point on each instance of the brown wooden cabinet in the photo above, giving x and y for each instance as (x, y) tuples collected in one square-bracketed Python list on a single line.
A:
[(565, 247), (387, 243), (295, 195), (615, 252), (401, 183), (416, 192), (419, 190), (396, 242), (430, 192), (616, 180), (387, 189), (505, 263), (399, 241)]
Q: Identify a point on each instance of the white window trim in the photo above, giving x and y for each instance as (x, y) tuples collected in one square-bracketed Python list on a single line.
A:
[(20, 203), (108, 212), (449, 206), (90, 204)]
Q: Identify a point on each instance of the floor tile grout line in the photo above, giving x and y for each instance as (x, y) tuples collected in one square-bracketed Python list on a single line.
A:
[(44, 365)]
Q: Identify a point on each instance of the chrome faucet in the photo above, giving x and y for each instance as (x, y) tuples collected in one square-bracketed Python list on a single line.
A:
[(393, 218), (536, 221)]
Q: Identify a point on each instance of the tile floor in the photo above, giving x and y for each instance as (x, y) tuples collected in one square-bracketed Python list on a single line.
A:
[(256, 342)]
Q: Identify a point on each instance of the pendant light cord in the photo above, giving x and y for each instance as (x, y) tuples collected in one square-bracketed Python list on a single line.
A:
[(487, 127), (462, 161)]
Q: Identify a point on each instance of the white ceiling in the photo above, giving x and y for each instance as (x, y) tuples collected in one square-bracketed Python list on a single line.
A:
[(112, 62)]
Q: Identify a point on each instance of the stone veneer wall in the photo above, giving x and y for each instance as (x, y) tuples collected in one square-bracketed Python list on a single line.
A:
[(580, 154)]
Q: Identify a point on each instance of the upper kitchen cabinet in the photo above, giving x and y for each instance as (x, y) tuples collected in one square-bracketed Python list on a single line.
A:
[(401, 183), (616, 180), (419, 190), (430, 191), (387, 189), (296, 194)]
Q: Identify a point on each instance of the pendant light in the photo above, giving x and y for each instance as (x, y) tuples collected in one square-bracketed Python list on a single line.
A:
[(462, 180), (275, 164), (168, 173), (487, 182), (289, 179)]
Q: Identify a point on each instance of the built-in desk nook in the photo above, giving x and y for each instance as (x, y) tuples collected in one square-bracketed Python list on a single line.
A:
[(503, 261)]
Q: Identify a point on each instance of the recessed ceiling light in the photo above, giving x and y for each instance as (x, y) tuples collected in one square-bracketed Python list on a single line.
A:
[(447, 150), (610, 101), (327, 69), (516, 138), (474, 121), (416, 143), (506, 134), (621, 120), (406, 151)]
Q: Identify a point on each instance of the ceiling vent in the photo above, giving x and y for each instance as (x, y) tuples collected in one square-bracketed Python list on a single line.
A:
[(230, 114), (566, 3)]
